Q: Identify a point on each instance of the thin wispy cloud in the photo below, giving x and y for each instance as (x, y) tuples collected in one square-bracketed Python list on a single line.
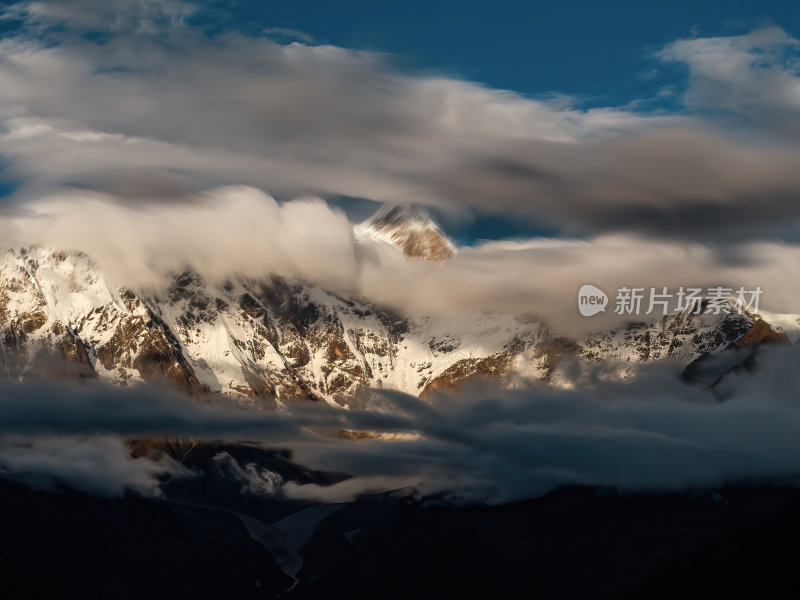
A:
[(288, 32)]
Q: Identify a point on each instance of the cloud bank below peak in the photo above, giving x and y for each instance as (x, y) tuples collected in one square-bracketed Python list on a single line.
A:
[(650, 433)]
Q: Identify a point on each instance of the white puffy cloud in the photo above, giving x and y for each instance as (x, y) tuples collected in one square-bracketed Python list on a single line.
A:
[(240, 231), (227, 231)]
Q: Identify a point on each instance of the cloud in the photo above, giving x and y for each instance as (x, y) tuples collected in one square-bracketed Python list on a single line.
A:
[(153, 148), (158, 116), (242, 232), (168, 139), (542, 277), (291, 119), (235, 109), (655, 434), (227, 231), (754, 75), (651, 432), (55, 435), (252, 478), (101, 15), (98, 465), (41, 408), (287, 32)]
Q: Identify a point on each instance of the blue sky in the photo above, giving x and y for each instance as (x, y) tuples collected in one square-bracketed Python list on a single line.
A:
[(600, 51)]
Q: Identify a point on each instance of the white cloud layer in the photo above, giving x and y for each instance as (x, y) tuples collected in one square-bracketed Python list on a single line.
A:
[(242, 231)]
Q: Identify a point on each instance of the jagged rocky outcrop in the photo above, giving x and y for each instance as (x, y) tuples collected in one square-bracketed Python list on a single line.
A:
[(263, 342), (411, 229)]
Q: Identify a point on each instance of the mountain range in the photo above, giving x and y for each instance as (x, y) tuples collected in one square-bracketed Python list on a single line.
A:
[(266, 342)]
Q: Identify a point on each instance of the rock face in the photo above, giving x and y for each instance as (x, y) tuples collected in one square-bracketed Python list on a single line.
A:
[(269, 342), (411, 229), (59, 316)]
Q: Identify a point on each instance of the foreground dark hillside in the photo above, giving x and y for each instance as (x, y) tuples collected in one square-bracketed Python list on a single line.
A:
[(574, 543)]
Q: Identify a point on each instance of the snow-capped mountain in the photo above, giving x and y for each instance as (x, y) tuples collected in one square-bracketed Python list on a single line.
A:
[(268, 342), (258, 340), (409, 228)]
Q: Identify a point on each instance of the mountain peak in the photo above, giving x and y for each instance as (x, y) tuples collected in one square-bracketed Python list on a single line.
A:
[(410, 228), (398, 214)]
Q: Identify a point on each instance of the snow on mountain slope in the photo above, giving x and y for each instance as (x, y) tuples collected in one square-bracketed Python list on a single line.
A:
[(260, 341), (788, 324), (272, 341), (56, 312), (682, 335), (291, 340)]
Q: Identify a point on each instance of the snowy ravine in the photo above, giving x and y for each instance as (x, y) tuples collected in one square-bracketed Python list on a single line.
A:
[(268, 342)]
